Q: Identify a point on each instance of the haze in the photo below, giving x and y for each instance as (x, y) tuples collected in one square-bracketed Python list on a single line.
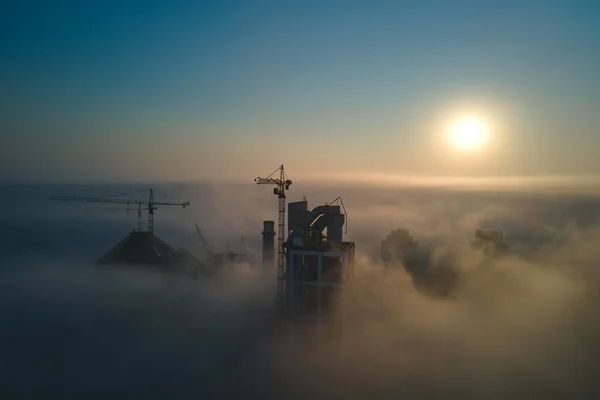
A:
[(433, 117), (224, 90), (521, 326)]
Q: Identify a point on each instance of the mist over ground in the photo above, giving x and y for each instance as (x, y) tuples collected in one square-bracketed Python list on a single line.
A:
[(519, 326)]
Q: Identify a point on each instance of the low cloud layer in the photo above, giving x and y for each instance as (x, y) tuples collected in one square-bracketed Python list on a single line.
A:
[(519, 326)]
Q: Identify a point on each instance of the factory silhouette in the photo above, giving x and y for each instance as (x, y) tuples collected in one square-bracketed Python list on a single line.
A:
[(312, 260)]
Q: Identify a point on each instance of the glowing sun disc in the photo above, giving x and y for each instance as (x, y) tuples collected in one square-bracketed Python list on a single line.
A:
[(468, 133)]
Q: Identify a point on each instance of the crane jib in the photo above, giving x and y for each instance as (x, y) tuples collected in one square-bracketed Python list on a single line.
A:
[(150, 203)]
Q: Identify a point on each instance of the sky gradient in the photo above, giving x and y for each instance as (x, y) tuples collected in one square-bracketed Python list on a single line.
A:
[(187, 91)]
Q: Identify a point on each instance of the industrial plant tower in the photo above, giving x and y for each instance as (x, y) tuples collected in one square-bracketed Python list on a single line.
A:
[(318, 264), (314, 262)]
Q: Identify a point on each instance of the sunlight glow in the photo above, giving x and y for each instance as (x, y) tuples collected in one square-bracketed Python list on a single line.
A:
[(468, 133)]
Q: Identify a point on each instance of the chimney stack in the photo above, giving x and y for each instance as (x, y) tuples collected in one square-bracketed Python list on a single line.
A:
[(268, 248)]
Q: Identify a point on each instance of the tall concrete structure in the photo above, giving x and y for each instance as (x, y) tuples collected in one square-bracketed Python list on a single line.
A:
[(268, 244), (317, 265)]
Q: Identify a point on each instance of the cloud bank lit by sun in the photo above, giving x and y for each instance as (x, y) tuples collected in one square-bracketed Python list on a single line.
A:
[(468, 133)]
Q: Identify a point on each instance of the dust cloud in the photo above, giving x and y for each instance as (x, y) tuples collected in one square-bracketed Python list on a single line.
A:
[(520, 325)]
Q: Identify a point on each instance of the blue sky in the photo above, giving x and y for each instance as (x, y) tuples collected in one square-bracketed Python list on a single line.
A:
[(168, 90)]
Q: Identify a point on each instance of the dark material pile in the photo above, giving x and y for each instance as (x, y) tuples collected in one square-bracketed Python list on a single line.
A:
[(146, 250)]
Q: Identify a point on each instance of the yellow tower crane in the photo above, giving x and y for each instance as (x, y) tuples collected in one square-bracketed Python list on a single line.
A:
[(282, 184), (150, 205)]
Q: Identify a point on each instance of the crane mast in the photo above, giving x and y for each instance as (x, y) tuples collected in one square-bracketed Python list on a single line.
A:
[(282, 184), (150, 203)]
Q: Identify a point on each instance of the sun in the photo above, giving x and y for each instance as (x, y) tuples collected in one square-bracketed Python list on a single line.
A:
[(468, 133)]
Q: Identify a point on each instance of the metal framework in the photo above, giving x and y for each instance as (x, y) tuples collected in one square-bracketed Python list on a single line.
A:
[(282, 184), (339, 200), (150, 203)]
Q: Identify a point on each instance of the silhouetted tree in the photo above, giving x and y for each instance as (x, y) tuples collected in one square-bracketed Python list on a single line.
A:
[(399, 245), (435, 277)]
